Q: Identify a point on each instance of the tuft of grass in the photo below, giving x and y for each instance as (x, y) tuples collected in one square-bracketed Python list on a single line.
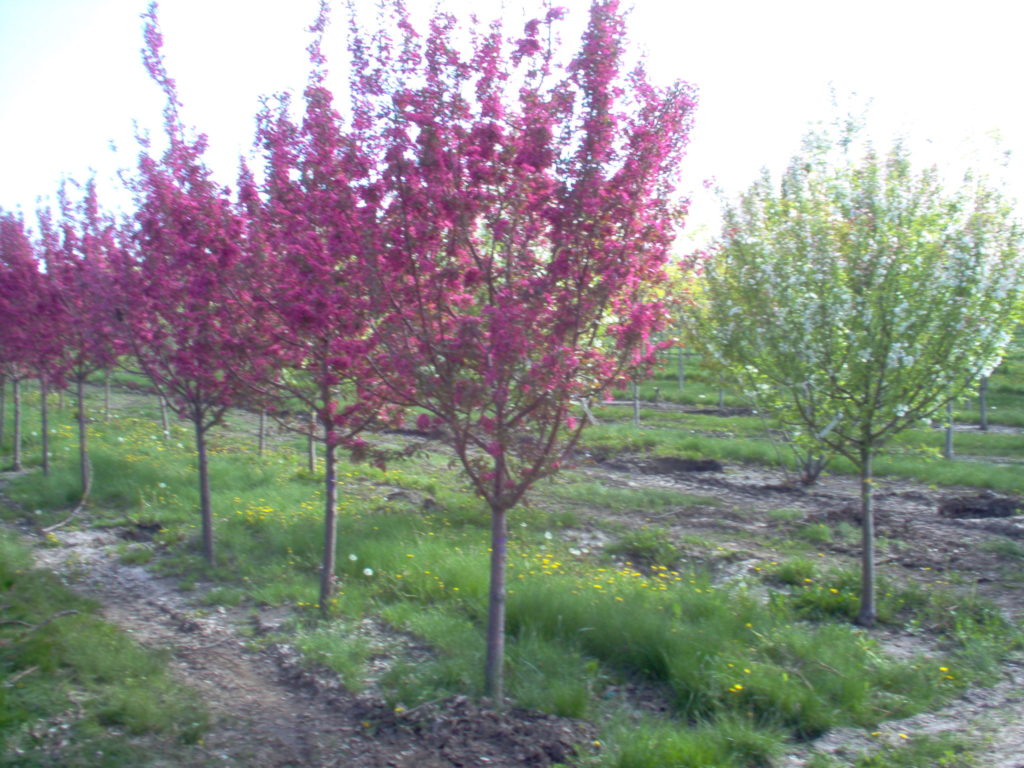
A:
[(815, 533), (645, 547), (785, 515), (135, 554), (726, 743), (1007, 549), (797, 570), (940, 750), (338, 647)]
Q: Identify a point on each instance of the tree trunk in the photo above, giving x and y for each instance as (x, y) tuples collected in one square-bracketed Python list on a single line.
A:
[(106, 396), (311, 447), (163, 417), (327, 577), (3, 408), (205, 511), (494, 677), (16, 447), (721, 395), (983, 404), (680, 372), (44, 422), (636, 405), (60, 399), (262, 442), (588, 413), (84, 465), (947, 448), (866, 616)]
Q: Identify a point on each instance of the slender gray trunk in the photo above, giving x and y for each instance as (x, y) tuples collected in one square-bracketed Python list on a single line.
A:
[(84, 464), (311, 446), (867, 614), (983, 403), (3, 408), (588, 413), (16, 447), (636, 405), (947, 448), (494, 678), (327, 576), (164, 424), (106, 395), (262, 442), (205, 510), (60, 399), (680, 372), (721, 395), (44, 422)]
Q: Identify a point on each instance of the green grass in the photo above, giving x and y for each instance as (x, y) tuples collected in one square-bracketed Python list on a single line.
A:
[(739, 674), (611, 439), (1006, 445), (912, 454), (61, 663), (621, 499), (730, 742), (336, 646)]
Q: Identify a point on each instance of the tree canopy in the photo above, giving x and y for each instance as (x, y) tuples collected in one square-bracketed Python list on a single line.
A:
[(861, 295)]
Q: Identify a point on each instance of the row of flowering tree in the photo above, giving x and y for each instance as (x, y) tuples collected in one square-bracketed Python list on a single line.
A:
[(21, 296), (55, 294), (474, 242)]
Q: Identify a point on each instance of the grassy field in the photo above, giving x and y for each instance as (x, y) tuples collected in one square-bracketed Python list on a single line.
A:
[(741, 668)]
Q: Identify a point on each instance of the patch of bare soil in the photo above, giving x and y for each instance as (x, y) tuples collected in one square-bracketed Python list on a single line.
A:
[(923, 530), (270, 710)]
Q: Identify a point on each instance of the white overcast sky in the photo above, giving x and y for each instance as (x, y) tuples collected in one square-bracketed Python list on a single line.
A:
[(946, 73)]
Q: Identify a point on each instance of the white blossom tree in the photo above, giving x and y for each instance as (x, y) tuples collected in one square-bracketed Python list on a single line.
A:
[(861, 296)]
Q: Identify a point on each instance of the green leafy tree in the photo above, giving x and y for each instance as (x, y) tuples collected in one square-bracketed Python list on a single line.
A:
[(861, 296)]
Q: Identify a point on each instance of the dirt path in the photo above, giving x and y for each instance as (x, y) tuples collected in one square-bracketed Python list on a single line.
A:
[(269, 710), (257, 720)]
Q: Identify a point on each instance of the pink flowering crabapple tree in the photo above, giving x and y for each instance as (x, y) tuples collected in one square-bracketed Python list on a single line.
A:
[(311, 234), (25, 344), (46, 323), (181, 255), (862, 296), (80, 253), (527, 211)]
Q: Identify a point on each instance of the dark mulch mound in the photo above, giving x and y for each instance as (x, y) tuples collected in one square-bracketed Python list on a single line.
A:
[(141, 532), (662, 465), (468, 734), (853, 515), (984, 504), (452, 733)]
